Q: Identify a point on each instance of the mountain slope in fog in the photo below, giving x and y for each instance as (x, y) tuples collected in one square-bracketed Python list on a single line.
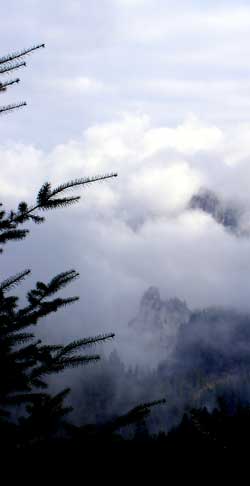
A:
[(215, 341), (223, 213), (202, 355), (158, 321)]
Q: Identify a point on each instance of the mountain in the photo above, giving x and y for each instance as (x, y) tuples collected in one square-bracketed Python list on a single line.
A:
[(215, 341), (223, 213), (158, 321), (198, 356)]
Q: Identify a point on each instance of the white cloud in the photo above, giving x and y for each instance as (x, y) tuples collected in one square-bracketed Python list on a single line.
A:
[(79, 85), (134, 231), (162, 57), (166, 22), (188, 138), (159, 167)]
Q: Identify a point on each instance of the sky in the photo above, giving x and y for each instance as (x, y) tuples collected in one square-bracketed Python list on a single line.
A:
[(158, 91)]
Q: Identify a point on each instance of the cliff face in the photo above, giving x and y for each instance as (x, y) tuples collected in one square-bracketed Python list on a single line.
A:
[(158, 321)]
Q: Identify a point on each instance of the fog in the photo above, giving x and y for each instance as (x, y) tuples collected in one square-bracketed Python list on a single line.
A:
[(137, 230), (124, 88)]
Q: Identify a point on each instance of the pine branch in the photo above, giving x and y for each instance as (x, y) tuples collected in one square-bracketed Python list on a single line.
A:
[(82, 343), (81, 182), (19, 54), (14, 106), (11, 67), (18, 338), (60, 281), (133, 416), (75, 361), (14, 234), (60, 203), (11, 282), (45, 196), (52, 364), (45, 200), (4, 85), (24, 361)]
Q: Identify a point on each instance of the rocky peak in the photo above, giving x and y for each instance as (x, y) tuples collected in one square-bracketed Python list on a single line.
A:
[(151, 299), (158, 321), (223, 212)]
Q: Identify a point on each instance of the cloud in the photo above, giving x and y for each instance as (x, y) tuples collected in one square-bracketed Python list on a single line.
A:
[(135, 231), (79, 85), (229, 216), (159, 57)]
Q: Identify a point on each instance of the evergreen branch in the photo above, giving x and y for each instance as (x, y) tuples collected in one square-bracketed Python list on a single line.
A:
[(37, 219), (14, 106), (75, 361), (81, 343), (59, 397), (60, 203), (81, 182), (61, 280), (49, 348), (19, 338), (13, 235), (28, 318), (26, 352), (20, 54), (11, 67), (51, 364), (45, 195), (4, 85), (136, 414), (11, 282)]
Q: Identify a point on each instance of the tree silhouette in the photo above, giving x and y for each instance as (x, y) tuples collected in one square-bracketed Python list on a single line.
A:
[(26, 362), (30, 415)]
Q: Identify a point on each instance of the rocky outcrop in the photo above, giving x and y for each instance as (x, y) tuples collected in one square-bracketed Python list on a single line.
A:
[(158, 321)]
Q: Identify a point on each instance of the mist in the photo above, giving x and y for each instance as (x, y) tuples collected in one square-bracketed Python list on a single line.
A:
[(133, 94)]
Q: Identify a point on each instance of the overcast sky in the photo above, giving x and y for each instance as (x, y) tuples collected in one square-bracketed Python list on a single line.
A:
[(160, 92)]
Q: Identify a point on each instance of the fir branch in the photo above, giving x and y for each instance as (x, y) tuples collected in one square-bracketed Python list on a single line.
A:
[(81, 182), (11, 282), (82, 343), (45, 200), (60, 281), (53, 364), (135, 415), (20, 54), (18, 338), (45, 195), (4, 85), (14, 106), (60, 203), (11, 67), (14, 234), (75, 361)]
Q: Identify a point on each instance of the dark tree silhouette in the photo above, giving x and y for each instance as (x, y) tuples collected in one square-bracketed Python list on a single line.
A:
[(30, 415), (25, 361)]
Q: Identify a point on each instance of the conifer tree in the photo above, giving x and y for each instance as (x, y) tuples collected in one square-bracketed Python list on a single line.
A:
[(25, 361)]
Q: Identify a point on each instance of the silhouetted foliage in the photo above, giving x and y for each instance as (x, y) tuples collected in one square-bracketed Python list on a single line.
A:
[(30, 416), (28, 412)]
